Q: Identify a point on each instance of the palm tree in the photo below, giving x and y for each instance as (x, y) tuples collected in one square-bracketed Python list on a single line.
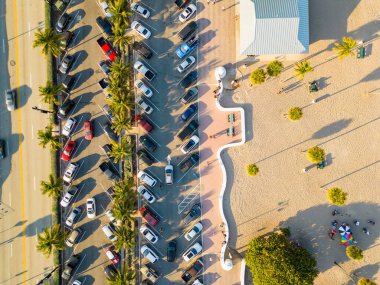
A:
[(124, 192), (120, 104), (46, 137), (120, 11), (120, 150), (124, 210), (49, 92), (345, 48), (120, 72), (49, 239), (120, 38), (52, 187), (121, 122), (49, 41), (302, 68), (126, 238), (126, 276)]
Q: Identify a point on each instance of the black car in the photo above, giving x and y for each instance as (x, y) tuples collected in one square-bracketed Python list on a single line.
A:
[(142, 49), (111, 193), (189, 79), (109, 132), (70, 266), (2, 149), (65, 108), (189, 95), (194, 213), (110, 271), (66, 63), (104, 25), (148, 143), (171, 250), (68, 82), (146, 157), (62, 23)]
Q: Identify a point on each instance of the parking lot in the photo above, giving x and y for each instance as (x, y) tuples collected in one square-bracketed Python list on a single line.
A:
[(173, 201)]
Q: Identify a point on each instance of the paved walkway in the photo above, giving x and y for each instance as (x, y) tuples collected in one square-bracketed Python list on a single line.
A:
[(217, 36)]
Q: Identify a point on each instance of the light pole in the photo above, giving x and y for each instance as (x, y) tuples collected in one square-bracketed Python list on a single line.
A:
[(42, 110), (349, 275)]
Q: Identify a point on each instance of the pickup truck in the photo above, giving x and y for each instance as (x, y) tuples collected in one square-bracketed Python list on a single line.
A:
[(192, 271), (189, 162), (106, 169), (188, 130), (148, 216), (69, 268), (107, 48)]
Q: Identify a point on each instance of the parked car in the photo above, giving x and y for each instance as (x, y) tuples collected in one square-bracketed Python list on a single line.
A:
[(149, 273), (109, 172), (112, 255), (148, 216), (73, 217), (91, 208), (148, 143), (145, 157), (187, 13), (139, 84), (104, 25), (184, 65), (88, 130), (110, 271), (77, 282), (193, 251), (171, 251), (143, 105), (65, 39), (65, 108), (143, 123), (70, 172), (147, 252), (69, 196), (142, 49), (63, 22), (141, 30), (181, 3), (189, 79), (189, 162), (189, 95), (105, 8), (141, 10), (112, 219), (141, 68), (194, 213), (187, 47), (194, 231), (103, 85), (146, 194), (169, 174), (193, 270), (68, 82), (10, 99), (188, 30), (189, 112), (109, 232), (69, 126), (188, 130), (111, 192), (68, 150), (66, 63), (105, 66), (73, 237), (149, 234), (146, 178), (69, 267), (109, 132), (2, 149), (190, 144)]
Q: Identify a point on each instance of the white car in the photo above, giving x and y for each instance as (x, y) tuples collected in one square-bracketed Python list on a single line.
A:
[(69, 127), (194, 231), (104, 6), (190, 144), (169, 174), (186, 64), (187, 13), (77, 282), (146, 194), (141, 30), (68, 197), (73, 216), (147, 109), (146, 178), (148, 233), (194, 250), (91, 208), (141, 68), (141, 10), (139, 84), (149, 254), (70, 172), (113, 220)]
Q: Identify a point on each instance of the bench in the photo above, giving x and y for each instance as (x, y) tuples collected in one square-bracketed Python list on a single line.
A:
[(231, 131), (360, 52), (231, 118)]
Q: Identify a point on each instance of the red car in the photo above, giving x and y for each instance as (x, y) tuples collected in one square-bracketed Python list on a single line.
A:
[(68, 150), (143, 123), (112, 255), (88, 130), (107, 48)]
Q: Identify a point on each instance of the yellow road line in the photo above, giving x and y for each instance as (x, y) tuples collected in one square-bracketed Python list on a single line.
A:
[(19, 127)]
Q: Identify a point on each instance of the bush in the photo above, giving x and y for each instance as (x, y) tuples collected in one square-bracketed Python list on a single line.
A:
[(354, 252), (274, 68), (366, 281), (295, 113), (285, 232), (276, 260), (337, 196), (252, 169), (316, 154), (258, 76)]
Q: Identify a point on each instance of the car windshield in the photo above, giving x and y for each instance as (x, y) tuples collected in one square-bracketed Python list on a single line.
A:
[(184, 48), (146, 252)]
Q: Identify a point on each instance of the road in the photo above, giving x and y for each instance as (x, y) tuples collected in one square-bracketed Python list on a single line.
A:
[(24, 211)]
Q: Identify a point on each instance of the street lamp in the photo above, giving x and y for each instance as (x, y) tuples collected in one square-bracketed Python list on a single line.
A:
[(42, 110)]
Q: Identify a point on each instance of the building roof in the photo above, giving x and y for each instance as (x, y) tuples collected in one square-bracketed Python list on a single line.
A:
[(277, 27)]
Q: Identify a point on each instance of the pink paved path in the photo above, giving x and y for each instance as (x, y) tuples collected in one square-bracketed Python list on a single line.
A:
[(217, 37)]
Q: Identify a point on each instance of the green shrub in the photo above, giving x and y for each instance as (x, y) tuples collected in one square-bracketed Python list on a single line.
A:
[(257, 76), (316, 154), (274, 68), (285, 232), (295, 113), (337, 196), (365, 281), (252, 169), (354, 252)]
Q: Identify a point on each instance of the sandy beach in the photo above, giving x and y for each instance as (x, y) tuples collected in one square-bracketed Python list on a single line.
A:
[(345, 121)]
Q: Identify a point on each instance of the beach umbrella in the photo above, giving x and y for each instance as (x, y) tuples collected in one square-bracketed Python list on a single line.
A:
[(344, 229), (346, 239)]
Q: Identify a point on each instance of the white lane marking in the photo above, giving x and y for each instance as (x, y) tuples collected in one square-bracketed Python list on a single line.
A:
[(30, 79), (145, 24), (29, 28), (80, 263), (151, 86), (32, 132), (77, 125), (3, 46), (76, 81), (79, 54), (151, 49), (149, 7), (11, 249), (77, 148), (150, 102), (185, 174), (10, 199), (156, 250), (154, 124), (72, 112), (153, 139), (34, 183), (75, 39)]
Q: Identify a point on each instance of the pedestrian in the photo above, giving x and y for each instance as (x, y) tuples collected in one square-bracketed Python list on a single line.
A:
[(356, 223), (208, 1), (161, 230), (331, 235), (223, 8), (365, 231), (371, 222)]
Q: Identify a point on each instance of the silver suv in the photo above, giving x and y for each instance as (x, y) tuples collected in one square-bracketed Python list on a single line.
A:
[(10, 99)]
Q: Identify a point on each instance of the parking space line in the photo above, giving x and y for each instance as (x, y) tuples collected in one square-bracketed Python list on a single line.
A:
[(76, 197), (150, 121), (144, 62), (144, 4), (75, 84), (153, 139), (150, 102), (73, 21), (34, 183), (11, 248), (80, 263), (156, 250), (151, 49), (72, 112), (155, 158), (108, 118), (79, 54), (145, 24), (185, 174), (151, 86), (77, 148), (77, 125)]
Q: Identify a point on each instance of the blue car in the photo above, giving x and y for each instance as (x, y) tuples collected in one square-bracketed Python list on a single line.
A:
[(187, 47), (189, 111)]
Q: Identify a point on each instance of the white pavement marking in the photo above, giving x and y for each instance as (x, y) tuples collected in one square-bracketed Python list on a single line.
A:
[(36, 233), (30, 79), (151, 68), (145, 24), (151, 86), (29, 28), (156, 250), (79, 54), (10, 199), (149, 7), (3, 46), (75, 84), (80, 263), (108, 118), (150, 102), (34, 183), (32, 132), (185, 174), (153, 139), (77, 125), (75, 39), (77, 148), (151, 49), (154, 124), (72, 112), (11, 245)]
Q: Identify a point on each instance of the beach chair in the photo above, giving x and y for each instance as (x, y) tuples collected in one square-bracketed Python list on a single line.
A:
[(231, 118), (231, 131), (313, 86), (360, 52)]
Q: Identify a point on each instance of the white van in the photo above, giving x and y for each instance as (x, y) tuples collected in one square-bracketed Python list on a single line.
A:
[(108, 231)]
